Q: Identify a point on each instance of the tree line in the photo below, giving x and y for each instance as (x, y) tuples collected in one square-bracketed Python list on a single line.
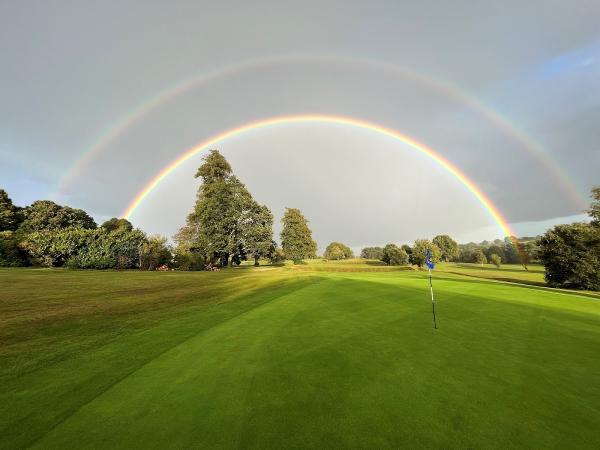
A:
[(227, 226)]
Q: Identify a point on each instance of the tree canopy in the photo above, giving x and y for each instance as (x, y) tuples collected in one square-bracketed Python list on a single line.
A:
[(448, 247), (296, 236), (337, 250)]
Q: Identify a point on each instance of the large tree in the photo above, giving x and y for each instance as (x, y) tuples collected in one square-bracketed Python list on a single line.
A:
[(571, 256), (227, 224), (296, 237), (257, 231), (117, 224), (46, 215), (447, 246), (10, 216)]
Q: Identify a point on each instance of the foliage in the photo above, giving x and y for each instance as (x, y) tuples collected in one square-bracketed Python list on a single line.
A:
[(47, 215), (257, 231), (594, 211), (86, 249), (479, 257), (419, 251), (571, 256), (10, 215), (154, 253), (228, 224), (448, 247), (296, 236), (394, 255), (337, 250), (117, 224), (11, 255), (496, 260), (371, 253), (277, 256)]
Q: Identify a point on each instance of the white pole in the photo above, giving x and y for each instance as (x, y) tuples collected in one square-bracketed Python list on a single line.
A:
[(432, 301)]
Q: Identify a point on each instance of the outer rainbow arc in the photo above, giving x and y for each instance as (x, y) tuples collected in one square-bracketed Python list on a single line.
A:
[(450, 167)]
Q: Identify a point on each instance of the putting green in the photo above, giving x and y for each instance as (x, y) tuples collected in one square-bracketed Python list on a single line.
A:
[(277, 358)]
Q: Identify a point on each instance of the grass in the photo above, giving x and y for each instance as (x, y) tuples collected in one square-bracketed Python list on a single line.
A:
[(314, 356)]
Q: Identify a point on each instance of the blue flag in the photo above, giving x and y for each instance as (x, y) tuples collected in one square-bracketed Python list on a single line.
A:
[(429, 260)]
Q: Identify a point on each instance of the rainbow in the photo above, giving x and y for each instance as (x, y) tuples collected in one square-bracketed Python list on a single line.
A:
[(119, 127), (331, 119)]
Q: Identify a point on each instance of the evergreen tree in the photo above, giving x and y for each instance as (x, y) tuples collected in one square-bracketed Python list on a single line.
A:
[(296, 237)]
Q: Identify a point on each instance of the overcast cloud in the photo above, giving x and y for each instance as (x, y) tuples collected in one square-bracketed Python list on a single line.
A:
[(72, 70)]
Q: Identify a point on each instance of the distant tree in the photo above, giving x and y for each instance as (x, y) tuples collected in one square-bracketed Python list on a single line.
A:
[(511, 251), (155, 252), (479, 257), (10, 216), (495, 249), (117, 224), (496, 260), (47, 215), (419, 251), (296, 237), (594, 211), (394, 255), (448, 247), (257, 231), (571, 256), (337, 250), (371, 252)]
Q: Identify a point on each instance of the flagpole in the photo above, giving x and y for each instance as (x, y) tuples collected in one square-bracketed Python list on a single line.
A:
[(432, 301)]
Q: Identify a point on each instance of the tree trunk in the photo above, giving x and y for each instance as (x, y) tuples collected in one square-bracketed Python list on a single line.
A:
[(256, 261)]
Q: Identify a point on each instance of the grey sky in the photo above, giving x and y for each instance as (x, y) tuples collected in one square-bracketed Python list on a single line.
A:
[(71, 70)]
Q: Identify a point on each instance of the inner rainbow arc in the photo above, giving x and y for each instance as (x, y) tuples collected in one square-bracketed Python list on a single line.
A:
[(333, 119)]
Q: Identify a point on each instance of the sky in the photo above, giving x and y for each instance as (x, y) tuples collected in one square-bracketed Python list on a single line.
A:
[(97, 97)]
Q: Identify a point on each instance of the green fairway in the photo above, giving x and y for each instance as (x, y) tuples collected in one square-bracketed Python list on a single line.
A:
[(321, 355)]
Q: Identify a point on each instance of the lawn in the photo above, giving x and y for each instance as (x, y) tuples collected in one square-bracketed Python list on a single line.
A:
[(319, 355)]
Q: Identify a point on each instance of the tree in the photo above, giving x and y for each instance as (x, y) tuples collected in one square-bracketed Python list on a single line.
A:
[(496, 260), (495, 249), (479, 257), (296, 237), (371, 252), (511, 252), (594, 211), (222, 206), (11, 255), (155, 253), (571, 256), (10, 216), (448, 247), (337, 250), (394, 255), (117, 224), (257, 231), (47, 215), (419, 251)]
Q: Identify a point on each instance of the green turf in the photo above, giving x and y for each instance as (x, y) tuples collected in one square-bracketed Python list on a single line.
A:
[(323, 355)]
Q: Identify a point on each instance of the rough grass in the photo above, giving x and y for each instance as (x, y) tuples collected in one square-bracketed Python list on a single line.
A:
[(296, 357)]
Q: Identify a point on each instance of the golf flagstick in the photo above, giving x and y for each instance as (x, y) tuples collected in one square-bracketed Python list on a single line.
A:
[(432, 301)]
